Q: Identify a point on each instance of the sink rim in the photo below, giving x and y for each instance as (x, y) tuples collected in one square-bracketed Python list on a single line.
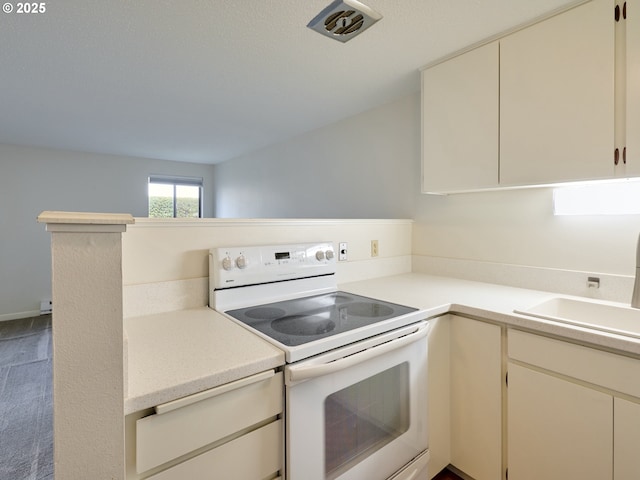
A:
[(587, 323)]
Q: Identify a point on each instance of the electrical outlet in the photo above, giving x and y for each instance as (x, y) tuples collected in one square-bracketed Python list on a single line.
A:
[(374, 248), (342, 252), (46, 306)]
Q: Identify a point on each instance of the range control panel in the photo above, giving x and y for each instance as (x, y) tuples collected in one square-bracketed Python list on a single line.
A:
[(251, 265)]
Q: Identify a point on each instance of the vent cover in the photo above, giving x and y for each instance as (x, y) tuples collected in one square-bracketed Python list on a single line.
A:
[(344, 19)]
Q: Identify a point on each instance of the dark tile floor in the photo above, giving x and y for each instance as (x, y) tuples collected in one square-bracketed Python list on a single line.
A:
[(26, 401)]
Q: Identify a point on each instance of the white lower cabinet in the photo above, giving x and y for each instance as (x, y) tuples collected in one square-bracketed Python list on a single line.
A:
[(573, 411), (232, 431), (465, 397), (439, 397), (626, 439), (476, 398), (253, 456), (557, 429)]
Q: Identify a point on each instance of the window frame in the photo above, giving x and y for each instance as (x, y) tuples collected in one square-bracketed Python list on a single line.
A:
[(176, 181)]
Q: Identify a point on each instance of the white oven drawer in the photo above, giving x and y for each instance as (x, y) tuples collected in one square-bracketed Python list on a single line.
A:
[(416, 470), (252, 456), (214, 415)]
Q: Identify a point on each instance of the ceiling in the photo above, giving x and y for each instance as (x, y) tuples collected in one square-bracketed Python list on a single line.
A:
[(209, 80)]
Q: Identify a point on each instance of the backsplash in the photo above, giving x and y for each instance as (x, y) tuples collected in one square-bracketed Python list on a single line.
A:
[(165, 262), (616, 288)]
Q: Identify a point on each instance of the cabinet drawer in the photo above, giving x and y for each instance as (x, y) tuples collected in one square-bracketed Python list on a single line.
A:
[(255, 455), (224, 411), (615, 372)]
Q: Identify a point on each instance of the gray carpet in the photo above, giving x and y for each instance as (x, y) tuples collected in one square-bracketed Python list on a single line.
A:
[(26, 401)]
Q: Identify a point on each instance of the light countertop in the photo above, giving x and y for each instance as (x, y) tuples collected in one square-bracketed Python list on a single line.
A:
[(175, 354), (486, 301)]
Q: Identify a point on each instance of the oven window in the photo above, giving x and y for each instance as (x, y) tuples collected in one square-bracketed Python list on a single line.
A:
[(364, 417)]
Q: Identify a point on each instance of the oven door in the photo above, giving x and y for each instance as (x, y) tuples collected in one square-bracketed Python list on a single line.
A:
[(359, 412)]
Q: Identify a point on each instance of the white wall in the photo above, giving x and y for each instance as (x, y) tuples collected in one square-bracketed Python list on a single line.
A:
[(33, 180), (518, 227), (367, 166), (361, 167), (514, 227)]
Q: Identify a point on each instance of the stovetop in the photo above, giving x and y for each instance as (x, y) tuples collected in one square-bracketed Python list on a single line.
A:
[(287, 294), (302, 320)]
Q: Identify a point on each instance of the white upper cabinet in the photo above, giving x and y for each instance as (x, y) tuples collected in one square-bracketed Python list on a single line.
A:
[(557, 98), (460, 122), (547, 104), (630, 22)]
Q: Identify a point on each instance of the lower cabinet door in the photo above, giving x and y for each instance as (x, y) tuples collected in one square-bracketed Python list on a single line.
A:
[(167, 436), (256, 455), (626, 435), (476, 398), (438, 394), (557, 429)]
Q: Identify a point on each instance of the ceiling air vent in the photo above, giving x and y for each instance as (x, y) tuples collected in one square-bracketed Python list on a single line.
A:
[(344, 19)]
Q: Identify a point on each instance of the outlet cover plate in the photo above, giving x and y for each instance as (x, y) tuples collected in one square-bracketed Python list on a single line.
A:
[(342, 252)]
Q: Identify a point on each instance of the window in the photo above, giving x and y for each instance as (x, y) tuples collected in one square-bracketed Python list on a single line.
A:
[(175, 197)]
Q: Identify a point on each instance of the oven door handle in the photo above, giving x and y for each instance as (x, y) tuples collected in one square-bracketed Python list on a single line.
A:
[(295, 373)]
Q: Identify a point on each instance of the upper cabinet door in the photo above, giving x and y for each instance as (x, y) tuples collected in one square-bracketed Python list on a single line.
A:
[(460, 122), (557, 98), (632, 45)]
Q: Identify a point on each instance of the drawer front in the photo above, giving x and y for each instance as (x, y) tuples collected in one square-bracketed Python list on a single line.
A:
[(252, 456), (164, 437), (615, 372)]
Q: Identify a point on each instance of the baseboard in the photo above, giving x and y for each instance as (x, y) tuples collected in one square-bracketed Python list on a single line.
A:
[(459, 472), (15, 316)]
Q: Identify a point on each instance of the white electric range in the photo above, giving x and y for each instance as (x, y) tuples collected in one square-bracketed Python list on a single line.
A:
[(356, 366)]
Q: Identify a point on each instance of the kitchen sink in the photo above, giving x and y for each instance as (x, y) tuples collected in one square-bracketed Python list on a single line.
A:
[(590, 314)]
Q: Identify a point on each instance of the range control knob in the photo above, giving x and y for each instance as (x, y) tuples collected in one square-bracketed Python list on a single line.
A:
[(241, 262), (328, 254), (319, 255), (227, 263)]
